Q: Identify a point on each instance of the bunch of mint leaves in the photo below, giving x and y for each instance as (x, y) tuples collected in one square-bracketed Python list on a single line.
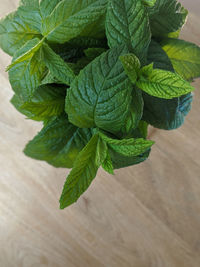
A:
[(97, 73)]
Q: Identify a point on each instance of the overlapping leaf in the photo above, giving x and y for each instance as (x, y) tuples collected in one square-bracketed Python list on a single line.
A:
[(101, 94), (185, 57), (58, 143), (127, 22)]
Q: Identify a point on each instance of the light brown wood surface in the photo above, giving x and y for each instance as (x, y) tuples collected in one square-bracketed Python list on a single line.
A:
[(144, 216)]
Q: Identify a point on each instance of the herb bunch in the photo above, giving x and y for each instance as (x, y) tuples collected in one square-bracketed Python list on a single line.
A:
[(97, 73)]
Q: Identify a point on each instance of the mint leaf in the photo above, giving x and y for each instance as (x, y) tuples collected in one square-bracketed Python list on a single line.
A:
[(36, 44), (33, 12), (167, 114), (162, 84), (101, 94), (84, 171), (48, 101), (57, 65), (107, 164), (58, 143), (185, 57), (158, 56), (150, 3), (14, 33), (166, 16), (71, 18), (136, 111), (127, 23), (17, 102), (26, 76), (128, 147), (120, 161), (131, 66)]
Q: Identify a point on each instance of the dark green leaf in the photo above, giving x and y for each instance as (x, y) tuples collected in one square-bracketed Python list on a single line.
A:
[(127, 23), (58, 143), (166, 16), (107, 164), (164, 113), (131, 66), (101, 94), (57, 65)]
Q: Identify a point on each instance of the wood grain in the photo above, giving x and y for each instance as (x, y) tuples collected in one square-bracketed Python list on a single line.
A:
[(144, 216)]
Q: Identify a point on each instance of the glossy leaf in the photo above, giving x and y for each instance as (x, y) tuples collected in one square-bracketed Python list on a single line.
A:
[(162, 84), (101, 94)]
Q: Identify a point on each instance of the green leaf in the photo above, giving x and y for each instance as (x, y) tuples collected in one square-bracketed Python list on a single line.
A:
[(159, 58), (131, 66), (37, 43), (94, 52), (127, 23), (33, 12), (120, 161), (166, 16), (164, 113), (17, 102), (71, 18), (101, 152), (26, 76), (84, 171), (58, 143), (101, 94), (136, 111), (150, 3), (48, 101), (185, 57), (57, 65), (128, 147), (107, 164), (162, 84), (14, 33)]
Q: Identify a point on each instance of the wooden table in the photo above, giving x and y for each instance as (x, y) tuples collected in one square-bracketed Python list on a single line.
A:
[(144, 216)]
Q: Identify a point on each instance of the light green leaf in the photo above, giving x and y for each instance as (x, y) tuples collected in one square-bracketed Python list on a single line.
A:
[(166, 16), (58, 143), (14, 33), (101, 152), (71, 18), (101, 94), (57, 66), (162, 84), (185, 57), (128, 147), (36, 44), (150, 3), (131, 66), (84, 171), (107, 164), (48, 101), (127, 23), (26, 76)]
